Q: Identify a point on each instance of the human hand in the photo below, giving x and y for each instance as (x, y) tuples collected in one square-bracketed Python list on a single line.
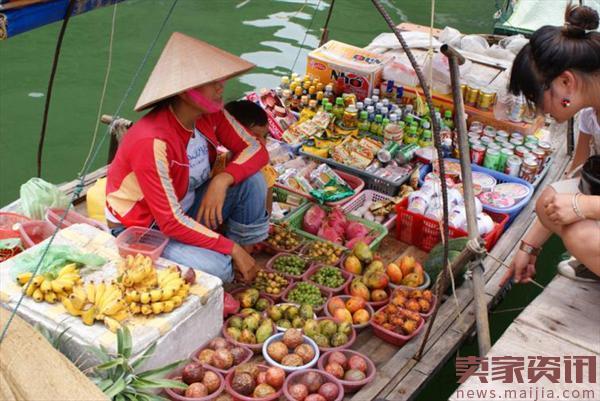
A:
[(210, 212), (243, 264), (559, 209), (522, 268)]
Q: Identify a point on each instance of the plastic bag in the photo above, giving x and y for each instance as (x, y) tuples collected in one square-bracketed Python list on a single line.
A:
[(450, 36), (514, 43), (37, 195), (56, 257), (474, 43), (441, 68), (498, 52)]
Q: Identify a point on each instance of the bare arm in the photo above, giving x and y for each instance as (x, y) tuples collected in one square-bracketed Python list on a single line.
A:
[(582, 152)]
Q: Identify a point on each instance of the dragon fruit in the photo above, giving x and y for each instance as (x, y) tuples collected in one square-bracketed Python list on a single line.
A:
[(338, 221), (329, 233), (312, 219), (355, 229)]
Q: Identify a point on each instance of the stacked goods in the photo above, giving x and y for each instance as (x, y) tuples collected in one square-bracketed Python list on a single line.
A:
[(306, 293), (329, 333), (313, 385), (342, 367), (286, 316), (251, 329), (151, 291), (256, 381), (291, 350), (251, 301), (222, 355), (290, 265), (98, 301), (50, 288), (335, 227), (270, 283), (201, 381), (406, 272), (323, 252), (283, 239), (349, 309)]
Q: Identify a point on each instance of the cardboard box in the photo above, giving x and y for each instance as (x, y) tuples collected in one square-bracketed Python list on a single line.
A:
[(278, 116), (350, 69)]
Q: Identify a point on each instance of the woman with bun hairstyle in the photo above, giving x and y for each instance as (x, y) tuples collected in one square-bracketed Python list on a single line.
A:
[(558, 72)]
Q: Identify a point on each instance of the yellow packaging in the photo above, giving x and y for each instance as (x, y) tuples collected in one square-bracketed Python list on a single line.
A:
[(350, 69), (96, 200)]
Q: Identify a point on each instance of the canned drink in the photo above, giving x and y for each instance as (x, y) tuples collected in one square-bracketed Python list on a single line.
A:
[(540, 156), (502, 141), (504, 155), (494, 146), (517, 141), (387, 153), (489, 131), (474, 135), (406, 153), (516, 135), (509, 146), (476, 126), (503, 134), (517, 109), (521, 151), (477, 154), (531, 146), (463, 89), (529, 169), (513, 166), (491, 159), (472, 96), (531, 139), (486, 140), (486, 100), (474, 141), (546, 147)]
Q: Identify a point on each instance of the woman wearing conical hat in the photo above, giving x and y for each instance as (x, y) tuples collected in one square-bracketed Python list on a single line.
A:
[(161, 174)]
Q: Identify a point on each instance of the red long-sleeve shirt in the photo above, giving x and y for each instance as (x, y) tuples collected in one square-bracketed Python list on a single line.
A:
[(149, 175)]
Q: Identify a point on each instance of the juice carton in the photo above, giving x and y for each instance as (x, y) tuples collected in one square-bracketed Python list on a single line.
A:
[(350, 69)]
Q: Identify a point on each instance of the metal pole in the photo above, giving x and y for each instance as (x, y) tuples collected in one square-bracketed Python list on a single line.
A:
[(325, 34), (481, 312)]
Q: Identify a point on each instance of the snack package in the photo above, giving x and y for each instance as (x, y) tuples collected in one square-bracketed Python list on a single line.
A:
[(333, 191), (323, 174)]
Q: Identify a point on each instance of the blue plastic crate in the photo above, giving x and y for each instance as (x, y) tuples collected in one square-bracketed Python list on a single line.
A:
[(501, 178)]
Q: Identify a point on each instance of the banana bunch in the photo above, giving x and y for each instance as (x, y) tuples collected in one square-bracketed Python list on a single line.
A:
[(138, 272), (170, 294), (98, 301), (50, 289)]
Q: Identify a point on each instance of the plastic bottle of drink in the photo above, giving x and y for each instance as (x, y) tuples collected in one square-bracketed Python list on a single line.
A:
[(338, 109), (375, 98), (371, 113), (411, 136), (360, 106), (408, 111), (376, 125), (312, 92), (376, 92), (426, 139), (285, 82), (368, 102), (384, 123), (329, 93), (378, 107), (279, 91), (286, 97), (320, 97), (425, 125), (448, 120), (393, 132), (364, 125), (320, 86), (296, 98), (305, 86)]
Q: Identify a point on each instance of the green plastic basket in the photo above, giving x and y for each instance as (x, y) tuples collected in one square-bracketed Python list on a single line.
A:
[(295, 222), (280, 195)]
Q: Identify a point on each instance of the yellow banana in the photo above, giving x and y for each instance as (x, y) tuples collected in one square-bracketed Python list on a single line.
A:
[(23, 278), (156, 295), (38, 280), (79, 293), (177, 300), (112, 324), (169, 306), (90, 290), (67, 269), (38, 295), (158, 308), (77, 302), (135, 308), (132, 296), (46, 286), (146, 310), (50, 297), (145, 298), (167, 294), (61, 285), (100, 288), (88, 316), (120, 315), (112, 307), (129, 261), (30, 289), (126, 281), (70, 307)]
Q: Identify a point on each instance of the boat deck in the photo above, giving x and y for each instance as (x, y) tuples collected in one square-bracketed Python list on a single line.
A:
[(562, 321)]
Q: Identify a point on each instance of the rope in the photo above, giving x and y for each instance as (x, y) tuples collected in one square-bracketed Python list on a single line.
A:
[(107, 74), (305, 34), (59, 41), (430, 51), (532, 281), (79, 188)]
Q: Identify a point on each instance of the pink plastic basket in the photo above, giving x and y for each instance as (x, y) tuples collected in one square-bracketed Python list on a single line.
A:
[(7, 221), (295, 378), (176, 397), (194, 356), (351, 387), (316, 309), (142, 240), (370, 196), (353, 182), (374, 304), (255, 348), (351, 338), (392, 337), (345, 298), (333, 291), (239, 397), (271, 267), (53, 215), (35, 231)]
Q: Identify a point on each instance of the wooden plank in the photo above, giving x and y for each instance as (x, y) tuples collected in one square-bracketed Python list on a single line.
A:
[(574, 319), (410, 387)]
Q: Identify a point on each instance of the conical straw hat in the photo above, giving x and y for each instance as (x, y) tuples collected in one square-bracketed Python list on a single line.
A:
[(185, 63)]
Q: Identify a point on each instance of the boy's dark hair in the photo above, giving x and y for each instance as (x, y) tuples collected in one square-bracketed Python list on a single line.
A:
[(553, 50), (248, 113)]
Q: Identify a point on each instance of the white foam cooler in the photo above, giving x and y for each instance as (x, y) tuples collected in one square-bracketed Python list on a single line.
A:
[(177, 333)]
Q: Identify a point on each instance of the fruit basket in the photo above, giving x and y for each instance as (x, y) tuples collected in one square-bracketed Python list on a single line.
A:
[(411, 293), (253, 346), (424, 286), (244, 355), (283, 195), (142, 240), (258, 306), (347, 344), (350, 386), (373, 304), (260, 282), (347, 277), (178, 395), (393, 337), (317, 308), (306, 251), (287, 304), (240, 397), (273, 249), (344, 299), (297, 381), (370, 196), (278, 338), (271, 266)]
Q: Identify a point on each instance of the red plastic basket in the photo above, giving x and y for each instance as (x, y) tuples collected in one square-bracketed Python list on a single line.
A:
[(35, 231), (194, 356), (416, 229), (392, 337), (176, 375), (239, 397), (370, 196), (291, 277), (345, 298), (296, 377), (353, 182), (351, 338), (351, 387), (142, 240), (7, 221)]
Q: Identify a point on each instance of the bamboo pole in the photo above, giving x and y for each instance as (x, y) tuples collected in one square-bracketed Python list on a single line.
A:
[(481, 311)]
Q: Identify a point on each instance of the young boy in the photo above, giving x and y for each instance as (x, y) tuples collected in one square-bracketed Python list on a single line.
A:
[(255, 119)]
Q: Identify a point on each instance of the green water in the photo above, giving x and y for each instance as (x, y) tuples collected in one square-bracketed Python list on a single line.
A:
[(266, 32)]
